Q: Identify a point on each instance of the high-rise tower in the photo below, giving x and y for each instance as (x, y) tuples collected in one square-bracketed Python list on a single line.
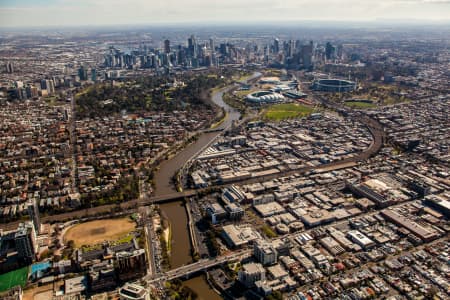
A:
[(166, 46), (33, 212)]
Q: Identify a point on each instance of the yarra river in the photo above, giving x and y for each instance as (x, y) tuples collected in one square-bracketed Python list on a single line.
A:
[(175, 211)]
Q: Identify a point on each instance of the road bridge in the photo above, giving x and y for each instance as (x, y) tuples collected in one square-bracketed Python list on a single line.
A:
[(201, 265)]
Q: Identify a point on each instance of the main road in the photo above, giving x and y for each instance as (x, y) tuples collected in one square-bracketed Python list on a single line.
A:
[(205, 264), (165, 190), (201, 265)]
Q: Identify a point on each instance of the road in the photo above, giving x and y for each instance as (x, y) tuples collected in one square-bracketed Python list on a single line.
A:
[(205, 264), (242, 254), (168, 168), (73, 145), (200, 265), (373, 126)]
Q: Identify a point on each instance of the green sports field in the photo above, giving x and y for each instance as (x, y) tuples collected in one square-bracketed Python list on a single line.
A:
[(284, 111), (13, 278)]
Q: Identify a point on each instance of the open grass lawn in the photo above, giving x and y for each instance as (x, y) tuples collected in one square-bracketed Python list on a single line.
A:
[(242, 77), (95, 232), (359, 104), (284, 111), (13, 278)]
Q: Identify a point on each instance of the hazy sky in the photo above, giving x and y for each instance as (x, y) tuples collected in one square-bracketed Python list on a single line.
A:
[(105, 12)]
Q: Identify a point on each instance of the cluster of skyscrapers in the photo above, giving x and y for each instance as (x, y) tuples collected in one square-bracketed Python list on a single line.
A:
[(292, 54), (193, 55)]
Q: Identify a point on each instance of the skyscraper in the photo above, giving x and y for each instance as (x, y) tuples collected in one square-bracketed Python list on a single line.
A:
[(192, 46), (48, 85), (9, 67), (166, 46), (211, 45), (82, 73), (307, 55), (93, 74), (291, 48), (33, 212), (276, 46), (330, 51)]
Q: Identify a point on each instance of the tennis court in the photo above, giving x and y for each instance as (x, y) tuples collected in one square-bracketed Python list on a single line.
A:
[(13, 278)]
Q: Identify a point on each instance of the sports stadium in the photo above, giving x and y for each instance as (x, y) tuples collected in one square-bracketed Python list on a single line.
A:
[(263, 97), (334, 85)]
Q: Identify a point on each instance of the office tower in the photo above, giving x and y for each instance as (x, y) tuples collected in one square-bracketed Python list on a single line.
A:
[(212, 45), (21, 93), (291, 48), (191, 42), (28, 91), (166, 46), (329, 51), (192, 46), (307, 55), (340, 52), (48, 86), (56, 81), (82, 73), (33, 212), (224, 49), (276, 46), (43, 84), (93, 74), (9, 66), (25, 240), (181, 57)]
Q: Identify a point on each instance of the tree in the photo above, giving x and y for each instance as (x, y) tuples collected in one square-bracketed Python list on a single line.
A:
[(70, 244)]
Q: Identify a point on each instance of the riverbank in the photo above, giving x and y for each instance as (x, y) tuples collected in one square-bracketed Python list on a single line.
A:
[(180, 243), (201, 287), (163, 177)]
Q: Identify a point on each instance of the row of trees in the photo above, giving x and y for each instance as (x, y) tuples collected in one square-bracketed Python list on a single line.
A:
[(126, 189)]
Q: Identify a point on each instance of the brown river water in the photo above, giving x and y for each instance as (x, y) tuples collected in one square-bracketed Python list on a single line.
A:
[(176, 212)]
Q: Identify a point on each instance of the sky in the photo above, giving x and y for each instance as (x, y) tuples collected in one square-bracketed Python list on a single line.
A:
[(31, 13)]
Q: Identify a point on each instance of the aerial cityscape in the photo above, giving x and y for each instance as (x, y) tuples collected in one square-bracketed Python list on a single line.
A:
[(218, 153)]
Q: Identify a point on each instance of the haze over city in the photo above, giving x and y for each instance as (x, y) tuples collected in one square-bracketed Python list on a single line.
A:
[(29, 13)]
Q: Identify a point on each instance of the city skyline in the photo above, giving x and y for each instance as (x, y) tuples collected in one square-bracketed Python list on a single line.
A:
[(26, 13)]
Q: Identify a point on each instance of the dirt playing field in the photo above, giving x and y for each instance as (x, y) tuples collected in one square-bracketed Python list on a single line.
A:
[(95, 232)]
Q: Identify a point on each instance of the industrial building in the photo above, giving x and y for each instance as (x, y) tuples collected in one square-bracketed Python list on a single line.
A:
[(360, 239), (426, 234)]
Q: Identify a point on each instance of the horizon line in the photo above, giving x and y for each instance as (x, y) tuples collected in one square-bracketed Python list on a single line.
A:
[(312, 22)]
